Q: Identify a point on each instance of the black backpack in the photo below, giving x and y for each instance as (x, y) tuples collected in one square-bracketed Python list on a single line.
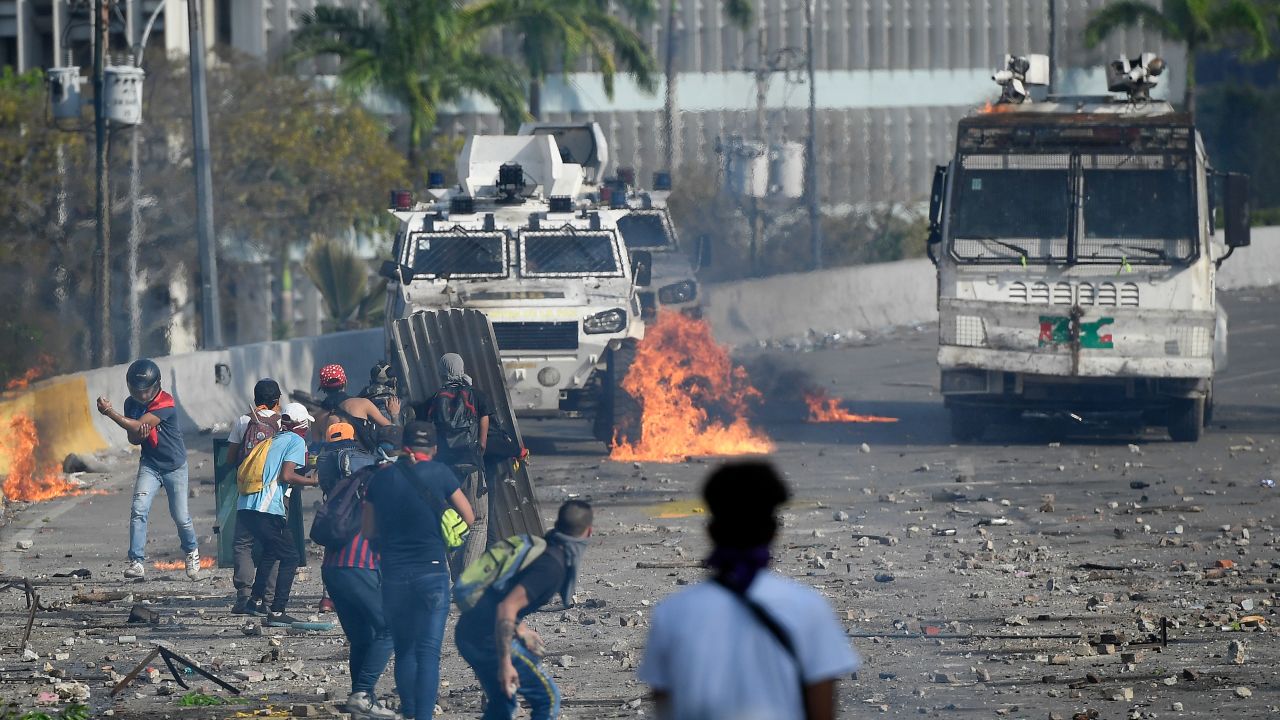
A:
[(453, 410), (338, 519)]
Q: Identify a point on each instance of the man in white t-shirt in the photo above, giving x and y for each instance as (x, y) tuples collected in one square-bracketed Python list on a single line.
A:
[(747, 644), (266, 405)]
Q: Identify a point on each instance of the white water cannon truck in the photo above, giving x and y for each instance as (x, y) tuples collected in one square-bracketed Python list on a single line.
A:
[(1076, 253), (515, 240)]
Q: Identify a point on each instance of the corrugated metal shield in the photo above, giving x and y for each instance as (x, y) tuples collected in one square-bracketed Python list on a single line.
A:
[(417, 342)]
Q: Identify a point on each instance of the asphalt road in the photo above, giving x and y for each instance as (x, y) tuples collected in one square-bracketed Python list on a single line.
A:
[(1107, 532)]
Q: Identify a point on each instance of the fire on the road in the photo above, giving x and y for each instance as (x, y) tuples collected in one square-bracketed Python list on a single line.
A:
[(26, 482), (696, 401), (31, 375), (825, 409), (205, 564)]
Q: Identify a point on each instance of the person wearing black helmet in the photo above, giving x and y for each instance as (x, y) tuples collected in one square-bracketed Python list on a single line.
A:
[(151, 420)]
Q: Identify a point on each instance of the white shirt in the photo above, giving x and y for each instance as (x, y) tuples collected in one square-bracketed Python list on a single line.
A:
[(236, 435), (717, 661)]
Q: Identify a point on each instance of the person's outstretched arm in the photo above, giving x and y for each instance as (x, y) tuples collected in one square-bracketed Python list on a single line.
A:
[(820, 700)]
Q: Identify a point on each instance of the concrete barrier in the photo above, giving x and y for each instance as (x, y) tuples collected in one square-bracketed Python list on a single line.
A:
[(211, 388), (862, 298), (1255, 266)]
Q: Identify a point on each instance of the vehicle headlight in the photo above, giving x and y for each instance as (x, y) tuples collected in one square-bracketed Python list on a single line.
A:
[(676, 293), (609, 321)]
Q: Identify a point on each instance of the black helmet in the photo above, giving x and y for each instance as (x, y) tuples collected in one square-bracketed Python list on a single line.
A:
[(142, 375)]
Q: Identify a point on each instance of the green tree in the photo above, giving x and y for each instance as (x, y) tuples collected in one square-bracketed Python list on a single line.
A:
[(421, 53), (343, 281), (554, 34), (1197, 24)]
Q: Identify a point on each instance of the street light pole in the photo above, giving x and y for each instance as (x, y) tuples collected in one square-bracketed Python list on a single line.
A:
[(100, 330), (210, 314), (810, 148)]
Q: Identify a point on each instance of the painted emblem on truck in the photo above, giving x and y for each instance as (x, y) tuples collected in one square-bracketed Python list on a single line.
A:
[(1056, 330)]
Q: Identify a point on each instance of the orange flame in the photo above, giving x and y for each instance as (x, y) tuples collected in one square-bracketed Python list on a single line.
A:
[(205, 564), (32, 374), (23, 482), (989, 108), (826, 409), (695, 399)]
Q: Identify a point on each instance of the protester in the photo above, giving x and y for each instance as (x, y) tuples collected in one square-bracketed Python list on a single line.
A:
[(246, 433), (359, 412), (383, 386), (400, 499), (262, 510), (354, 583), (747, 644), (461, 413), (151, 420), (495, 642)]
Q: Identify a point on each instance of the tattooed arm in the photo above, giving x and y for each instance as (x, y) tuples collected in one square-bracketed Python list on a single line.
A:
[(504, 632)]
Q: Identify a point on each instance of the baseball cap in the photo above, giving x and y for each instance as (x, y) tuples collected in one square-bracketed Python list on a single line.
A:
[(420, 433), (340, 431), (296, 412), (332, 376)]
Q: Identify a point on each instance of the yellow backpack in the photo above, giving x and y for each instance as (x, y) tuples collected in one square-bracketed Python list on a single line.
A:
[(249, 475)]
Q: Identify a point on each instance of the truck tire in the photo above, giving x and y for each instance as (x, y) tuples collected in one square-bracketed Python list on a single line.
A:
[(618, 415), (968, 424), (1186, 420)]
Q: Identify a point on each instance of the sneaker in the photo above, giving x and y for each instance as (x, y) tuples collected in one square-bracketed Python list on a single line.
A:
[(326, 605), (136, 570), (256, 606), (193, 564), (280, 619), (363, 707), (241, 607)]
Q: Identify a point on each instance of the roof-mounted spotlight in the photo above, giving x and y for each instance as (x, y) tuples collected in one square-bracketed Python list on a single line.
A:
[(1019, 75), (510, 182), (1135, 76), (462, 205)]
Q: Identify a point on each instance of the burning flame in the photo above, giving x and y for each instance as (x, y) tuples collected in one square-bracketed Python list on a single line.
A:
[(695, 399), (31, 375), (989, 108), (23, 482), (825, 409), (205, 564)]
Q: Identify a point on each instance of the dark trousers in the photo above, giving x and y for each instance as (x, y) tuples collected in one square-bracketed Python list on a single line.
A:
[(357, 598), (247, 556), (277, 546), (536, 686), (417, 609)]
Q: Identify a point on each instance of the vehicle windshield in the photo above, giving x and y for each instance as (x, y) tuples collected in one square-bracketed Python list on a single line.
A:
[(459, 254), (1136, 209), (568, 253), (644, 229)]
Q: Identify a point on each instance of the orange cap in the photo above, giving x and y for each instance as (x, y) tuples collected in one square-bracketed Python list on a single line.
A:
[(341, 431)]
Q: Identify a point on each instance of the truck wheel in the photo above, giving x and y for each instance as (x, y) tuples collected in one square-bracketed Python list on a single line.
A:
[(968, 424), (1186, 420), (618, 415), (1208, 409)]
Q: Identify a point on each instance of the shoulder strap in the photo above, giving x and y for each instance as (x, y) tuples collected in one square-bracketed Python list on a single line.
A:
[(779, 633)]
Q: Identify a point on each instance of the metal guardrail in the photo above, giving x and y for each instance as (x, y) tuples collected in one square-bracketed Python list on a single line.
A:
[(417, 342)]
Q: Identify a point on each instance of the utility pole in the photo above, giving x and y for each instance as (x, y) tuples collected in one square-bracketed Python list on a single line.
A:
[(210, 315), (135, 183), (763, 69), (810, 149), (670, 115), (100, 329), (1053, 46)]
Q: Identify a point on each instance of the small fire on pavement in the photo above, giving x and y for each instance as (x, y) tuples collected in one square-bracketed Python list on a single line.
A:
[(696, 401), (825, 409), (25, 482), (205, 564)]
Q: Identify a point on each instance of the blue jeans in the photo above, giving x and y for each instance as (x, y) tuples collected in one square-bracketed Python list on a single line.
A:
[(357, 598), (145, 486), (417, 608), (536, 685)]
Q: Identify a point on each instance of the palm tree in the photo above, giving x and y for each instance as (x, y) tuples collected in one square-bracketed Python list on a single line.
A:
[(422, 53), (739, 13), (1197, 24), (343, 281), (555, 33)]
